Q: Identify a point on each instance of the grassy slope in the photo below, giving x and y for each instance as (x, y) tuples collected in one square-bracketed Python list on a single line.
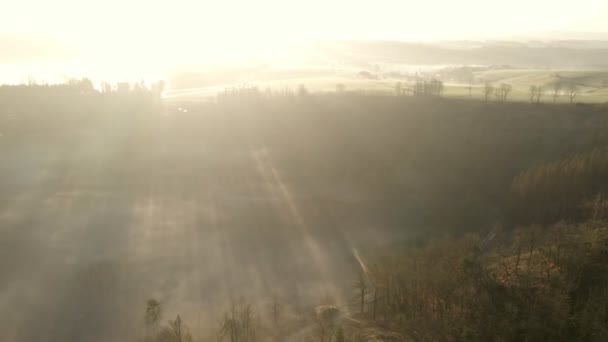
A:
[(591, 84)]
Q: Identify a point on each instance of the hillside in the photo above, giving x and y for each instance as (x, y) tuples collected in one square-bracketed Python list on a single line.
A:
[(109, 199)]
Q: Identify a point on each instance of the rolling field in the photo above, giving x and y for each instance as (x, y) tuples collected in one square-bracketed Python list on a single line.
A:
[(592, 85)]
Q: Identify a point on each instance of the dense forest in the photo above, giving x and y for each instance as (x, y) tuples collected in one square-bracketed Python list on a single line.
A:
[(472, 220)]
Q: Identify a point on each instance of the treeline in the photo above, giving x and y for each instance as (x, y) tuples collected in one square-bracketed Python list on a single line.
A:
[(242, 322), (75, 87), (435, 165), (443, 165), (560, 190), (433, 87), (73, 95), (557, 90), (545, 280), (538, 283), (48, 110)]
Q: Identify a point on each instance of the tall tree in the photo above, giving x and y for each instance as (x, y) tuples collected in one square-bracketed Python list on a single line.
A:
[(505, 90), (572, 91), (533, 91), (488, 89), (557, 88), (539, 93)]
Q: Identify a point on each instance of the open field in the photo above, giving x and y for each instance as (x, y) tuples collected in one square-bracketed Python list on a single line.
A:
[(592, 85)]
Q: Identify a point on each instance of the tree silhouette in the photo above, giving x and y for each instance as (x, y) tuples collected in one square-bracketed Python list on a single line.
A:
[(505, 90), (152, 317), (175, 332), (533, 91), (539, 93), (572, 91), (557, 88), (488, 89), (433, 87)]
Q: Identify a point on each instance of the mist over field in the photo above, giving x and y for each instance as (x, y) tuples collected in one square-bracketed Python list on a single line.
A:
[(335, 172)]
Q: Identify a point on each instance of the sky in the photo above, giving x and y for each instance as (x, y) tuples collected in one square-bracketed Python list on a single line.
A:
[(151, 32), (282, 19)]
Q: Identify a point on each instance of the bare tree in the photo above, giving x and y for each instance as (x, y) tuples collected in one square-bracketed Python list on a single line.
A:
[(470, 86), (362, 290), (505, 89), (175, 332), (539, 93), (438, 87), (277, 309), (557, 88), (533, 91), (488, 89), (572, 91), (152, 317), (536, 92), (433, 87), (238, 325), (497, 93)]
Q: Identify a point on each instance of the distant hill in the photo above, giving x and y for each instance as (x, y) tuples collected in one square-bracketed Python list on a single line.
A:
[(531, 53), (337, 59), (560, 36)]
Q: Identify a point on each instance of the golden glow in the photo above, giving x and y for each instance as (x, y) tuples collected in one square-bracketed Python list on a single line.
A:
[(136, 36)]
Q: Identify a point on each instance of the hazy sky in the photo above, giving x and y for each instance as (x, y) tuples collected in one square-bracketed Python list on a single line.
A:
[(243, 20), (151, 32), (145, 24)]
